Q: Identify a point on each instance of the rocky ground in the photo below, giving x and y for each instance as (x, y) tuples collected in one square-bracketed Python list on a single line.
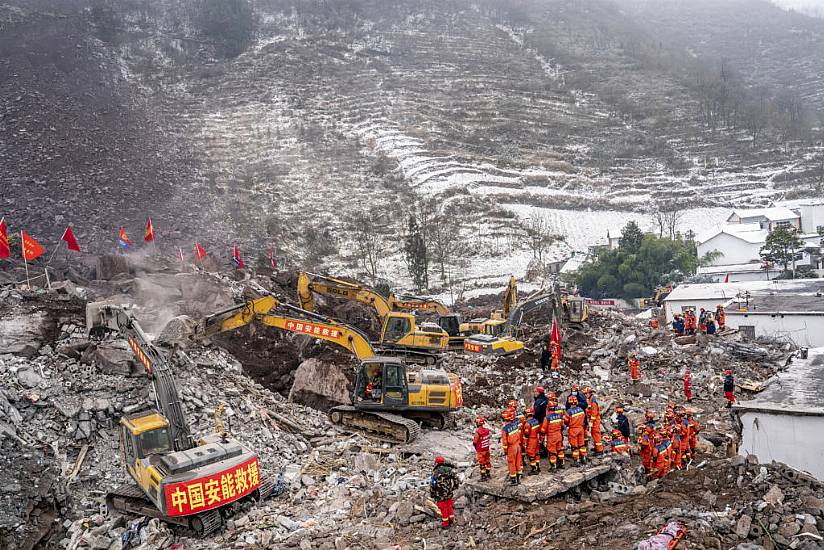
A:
[(62, 395)]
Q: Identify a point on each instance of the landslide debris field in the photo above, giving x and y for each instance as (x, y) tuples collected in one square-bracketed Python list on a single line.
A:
[(62, 396)]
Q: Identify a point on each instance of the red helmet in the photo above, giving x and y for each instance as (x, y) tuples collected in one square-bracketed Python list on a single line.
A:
[(588, 390), (728, 371), (439, 460), (539, 389), (513, 404), (508, 414), (574, 386), (530, 411), (480, 421), (551, 404), (552, 395), (572, 399), (617, 433)]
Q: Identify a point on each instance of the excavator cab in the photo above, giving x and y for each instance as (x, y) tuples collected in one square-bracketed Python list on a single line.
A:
[(495, 328), (381, 384), (451, 324), (578, 310), (401, 330)]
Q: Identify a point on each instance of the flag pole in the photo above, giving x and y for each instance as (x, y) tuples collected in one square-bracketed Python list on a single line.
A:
[(56, 250), (25, 261)]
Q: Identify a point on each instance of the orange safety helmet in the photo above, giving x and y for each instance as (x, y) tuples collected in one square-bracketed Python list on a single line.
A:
[(530, 411), (588, 390), (552, 395), (480, 421), (617, 433), (513, 404), (572, 399), (508, 414)]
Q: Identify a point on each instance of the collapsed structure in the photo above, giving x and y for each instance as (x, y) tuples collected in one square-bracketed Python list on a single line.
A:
[(337, 488)]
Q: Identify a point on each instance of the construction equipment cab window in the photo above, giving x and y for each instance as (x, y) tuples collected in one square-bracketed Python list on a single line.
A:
[(155, 442), (395, 384), (396, 328)]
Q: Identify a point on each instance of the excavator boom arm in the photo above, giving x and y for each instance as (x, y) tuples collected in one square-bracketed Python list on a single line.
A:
[(309, 283), (417, 303), (104, 317)]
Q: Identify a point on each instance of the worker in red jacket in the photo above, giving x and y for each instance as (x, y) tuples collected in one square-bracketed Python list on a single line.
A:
[(688, 385), (594, 420), (576, 420), (511, 440), (553, 427), (481, 443), (533, 436), (729, 387)]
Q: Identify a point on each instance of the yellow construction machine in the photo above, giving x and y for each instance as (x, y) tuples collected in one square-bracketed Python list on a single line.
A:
[(657, 299), (389, 395), (478, 325), (575, 308), (498, 337), (178, 479), (400, 331)]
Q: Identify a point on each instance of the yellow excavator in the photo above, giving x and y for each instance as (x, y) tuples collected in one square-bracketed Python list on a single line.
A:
[(498, 337), (389, 395), (657, 299), (178, 479), (497, 317), (575, 308), (400, 331)]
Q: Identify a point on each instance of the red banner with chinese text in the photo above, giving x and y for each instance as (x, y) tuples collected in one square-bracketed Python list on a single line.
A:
[(209, 492)]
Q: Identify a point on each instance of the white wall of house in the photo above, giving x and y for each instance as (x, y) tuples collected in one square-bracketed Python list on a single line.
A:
[(805, 329), (791, 439), (735, 250), (737, 277), (812, 217)]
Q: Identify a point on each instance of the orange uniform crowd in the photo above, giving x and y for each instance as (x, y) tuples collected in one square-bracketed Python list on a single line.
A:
[(541, 430)]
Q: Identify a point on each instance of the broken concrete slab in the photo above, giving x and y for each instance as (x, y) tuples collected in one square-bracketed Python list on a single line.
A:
[(320, 385), (541, 487), (23, 334)]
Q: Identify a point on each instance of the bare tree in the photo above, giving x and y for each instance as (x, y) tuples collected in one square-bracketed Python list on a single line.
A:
[(444, 232), (539, 236), (668, 217), (370, 245)]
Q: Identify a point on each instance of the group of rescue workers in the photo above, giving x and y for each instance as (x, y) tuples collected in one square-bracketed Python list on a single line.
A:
[(528, 434), (706, 322)]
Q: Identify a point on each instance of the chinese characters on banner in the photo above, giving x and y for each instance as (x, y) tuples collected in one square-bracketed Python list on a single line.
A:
[(206, 493), (474, 348), (310, 328)]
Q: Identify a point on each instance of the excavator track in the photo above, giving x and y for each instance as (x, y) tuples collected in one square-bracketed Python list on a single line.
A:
[(388, 426), (130, 499)]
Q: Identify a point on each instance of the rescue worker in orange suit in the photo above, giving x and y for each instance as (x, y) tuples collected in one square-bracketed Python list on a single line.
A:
[(683, 423), (553, 427), (533, 436), (520, 416), (688, 385), (511, 440), (594, 420), (692, 322), (442, 486), (618, 444), (481, 441), (653, 323), (661, 454), (695, 427), (555, 351), (721, 317), (729, 387), (673, 427), (576, 420), (645, 446), (581, 398), (634, 368)]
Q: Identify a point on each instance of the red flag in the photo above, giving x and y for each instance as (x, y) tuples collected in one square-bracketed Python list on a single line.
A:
[(68, 236), (236, 259), (31, 248), (727, 278), (5, 251), (272, 260), (199, 253), (149, 236), (556, 335), (123, 240)]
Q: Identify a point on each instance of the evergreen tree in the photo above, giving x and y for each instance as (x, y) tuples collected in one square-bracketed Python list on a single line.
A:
[(416, 253), (631, 237), (781, 246)]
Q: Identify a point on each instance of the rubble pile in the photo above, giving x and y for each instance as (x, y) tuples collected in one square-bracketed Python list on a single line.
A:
[(62, 396)]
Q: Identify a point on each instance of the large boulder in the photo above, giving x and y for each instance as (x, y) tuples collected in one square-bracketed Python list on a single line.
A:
[(114, 357), (22, 334), (320, 385)]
